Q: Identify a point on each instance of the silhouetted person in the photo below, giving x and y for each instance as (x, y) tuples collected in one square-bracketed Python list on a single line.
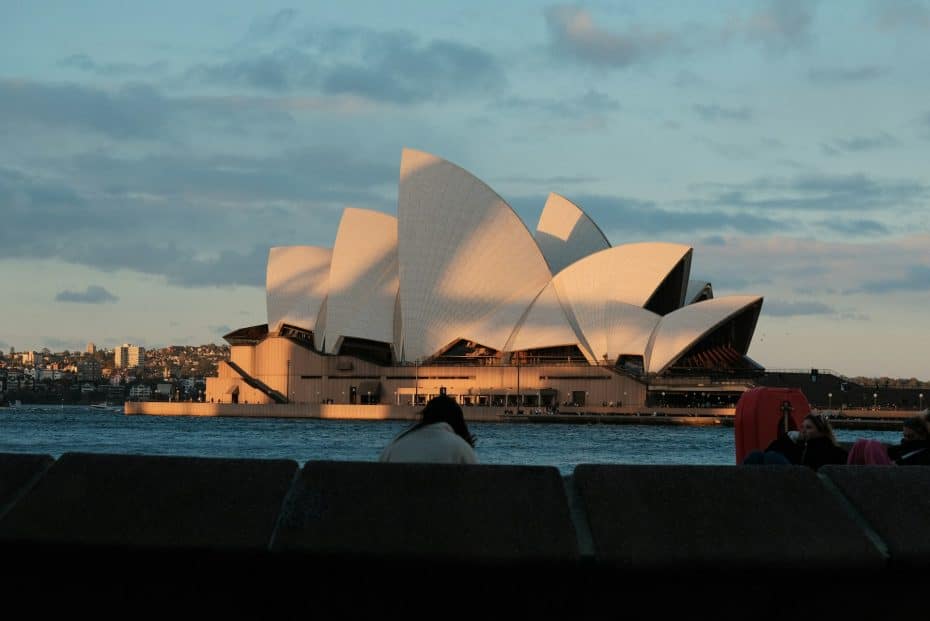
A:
[(814, 446), (914, 449), (441, 436)]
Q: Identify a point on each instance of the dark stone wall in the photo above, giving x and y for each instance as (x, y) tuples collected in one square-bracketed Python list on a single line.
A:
[(369, 537)]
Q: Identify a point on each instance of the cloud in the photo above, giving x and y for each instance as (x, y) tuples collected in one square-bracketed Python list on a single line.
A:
[(392, 67), (591, 109), (816, 192), (572, 32), (782, 25), (860, 143), (271, 25), (83, 62), (56, 344), (545, 182), (780, 308), (93, 295), (197, 238), (916, 279), (591, 102), (278, 71), (633, 217), (719, 113), (901, 15), (134, 111), (844, 267), (836, 75), (320, 173), (858, 227), (399, 70), (220, 330)]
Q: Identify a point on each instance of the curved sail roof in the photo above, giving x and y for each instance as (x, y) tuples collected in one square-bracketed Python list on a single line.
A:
[(363, 279), (698, 291), (565, 233), (295, 285), (626, 329), (684, 327), (468, 266), (630, 273), (547, 325)]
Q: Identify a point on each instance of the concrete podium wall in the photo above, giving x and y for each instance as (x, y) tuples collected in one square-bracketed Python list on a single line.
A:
[(602, 518)]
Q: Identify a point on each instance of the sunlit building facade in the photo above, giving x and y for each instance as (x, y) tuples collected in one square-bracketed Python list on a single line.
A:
[(455, 295)]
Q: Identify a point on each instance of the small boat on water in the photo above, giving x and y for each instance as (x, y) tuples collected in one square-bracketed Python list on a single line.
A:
[(106, 407)]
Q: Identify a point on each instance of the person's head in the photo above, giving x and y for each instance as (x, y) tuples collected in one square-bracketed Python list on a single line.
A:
[(816, 426), (915, 429), (444, 409)]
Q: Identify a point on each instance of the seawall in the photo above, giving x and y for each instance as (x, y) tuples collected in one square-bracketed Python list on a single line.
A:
[(351, 533), (848, 419)]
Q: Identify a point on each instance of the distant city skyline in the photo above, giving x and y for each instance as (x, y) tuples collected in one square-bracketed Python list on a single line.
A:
[(153, 154)]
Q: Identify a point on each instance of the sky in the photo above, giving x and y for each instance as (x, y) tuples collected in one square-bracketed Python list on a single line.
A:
[(152, 153)]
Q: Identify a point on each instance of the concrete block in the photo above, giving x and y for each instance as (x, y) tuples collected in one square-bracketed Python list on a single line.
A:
[(683, 518), (18, 472), (484, 514), (895, 502), (152, 502)]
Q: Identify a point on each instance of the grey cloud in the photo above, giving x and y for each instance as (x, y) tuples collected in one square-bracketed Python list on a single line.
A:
[(860, 143), (859, 227), (812, 291), (689, 79), (272, 25), (196, 238), (135, 111), (779, 308), (835, 75), (902, 14), (94, 294), (56, 344), (84, 62), (916, 279), (714, 240), (546, 182), (643, 217), (592, 102), (714, 112), (392, 67), (316, 173), (588, 111), (782, 25), (220, 330), (855, 192), (398, 70), (572, 32), (277, 71)]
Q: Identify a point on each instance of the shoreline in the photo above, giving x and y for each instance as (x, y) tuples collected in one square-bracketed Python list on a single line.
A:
[(703, 417)]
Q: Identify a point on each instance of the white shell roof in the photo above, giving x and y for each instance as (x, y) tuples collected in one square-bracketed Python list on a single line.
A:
[(696, 288), (296, 283), (630, 273), (565, 233), (468, 266), (684, 327), (547, 325), (363, 279), (626, 329)]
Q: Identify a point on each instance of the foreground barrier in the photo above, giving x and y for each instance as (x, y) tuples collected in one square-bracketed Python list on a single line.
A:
[(222, 529)]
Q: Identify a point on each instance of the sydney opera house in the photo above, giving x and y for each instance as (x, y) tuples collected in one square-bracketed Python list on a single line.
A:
[(456, 296)]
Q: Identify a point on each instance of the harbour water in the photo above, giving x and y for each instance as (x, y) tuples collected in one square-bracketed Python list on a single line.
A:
[(55, 430)]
